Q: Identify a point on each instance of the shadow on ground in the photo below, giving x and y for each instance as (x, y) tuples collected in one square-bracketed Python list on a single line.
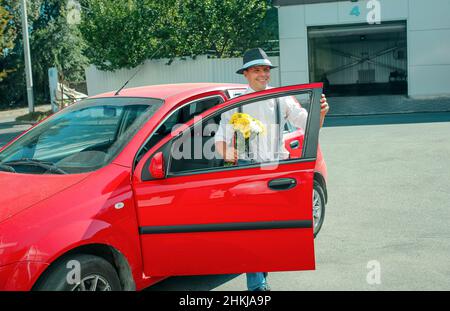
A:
[(192, 283)]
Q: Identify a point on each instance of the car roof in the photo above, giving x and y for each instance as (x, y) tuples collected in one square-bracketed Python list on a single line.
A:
[(172, 93)]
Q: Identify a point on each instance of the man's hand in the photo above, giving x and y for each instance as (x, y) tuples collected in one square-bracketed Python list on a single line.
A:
[(323, 109), (228, 153)]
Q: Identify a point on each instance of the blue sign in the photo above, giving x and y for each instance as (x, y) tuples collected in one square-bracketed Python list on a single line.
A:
[(355, 11)]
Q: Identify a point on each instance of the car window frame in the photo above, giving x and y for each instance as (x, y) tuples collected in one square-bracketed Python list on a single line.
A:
[(205, 120)]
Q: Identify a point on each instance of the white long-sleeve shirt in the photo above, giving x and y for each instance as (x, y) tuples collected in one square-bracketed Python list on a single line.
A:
[(264, 148)]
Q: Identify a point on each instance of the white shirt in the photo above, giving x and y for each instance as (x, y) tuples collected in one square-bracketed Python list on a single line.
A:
[(264, 148)]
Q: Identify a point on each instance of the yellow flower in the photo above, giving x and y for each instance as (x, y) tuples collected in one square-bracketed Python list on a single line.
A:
[(247, 134), (236, 116), (246, 124)]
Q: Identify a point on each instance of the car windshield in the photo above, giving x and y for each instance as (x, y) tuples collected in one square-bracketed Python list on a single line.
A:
[(81, 138)]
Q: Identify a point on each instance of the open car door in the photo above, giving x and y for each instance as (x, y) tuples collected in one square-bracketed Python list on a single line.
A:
[(197, 216)]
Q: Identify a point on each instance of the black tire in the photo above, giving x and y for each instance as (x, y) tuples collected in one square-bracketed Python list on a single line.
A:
[(318, 194), (94, 272)]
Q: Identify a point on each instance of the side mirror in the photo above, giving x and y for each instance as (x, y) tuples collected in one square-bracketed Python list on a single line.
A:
[(156, 168)]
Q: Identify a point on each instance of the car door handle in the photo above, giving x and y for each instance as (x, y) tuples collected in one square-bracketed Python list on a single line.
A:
[(294, 144), (282, 183)]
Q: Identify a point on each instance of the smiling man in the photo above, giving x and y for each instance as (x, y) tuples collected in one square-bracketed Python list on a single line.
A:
[(256, 69), (258, 77)]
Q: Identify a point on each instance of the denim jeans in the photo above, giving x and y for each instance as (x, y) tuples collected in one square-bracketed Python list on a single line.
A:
[(257, 279)]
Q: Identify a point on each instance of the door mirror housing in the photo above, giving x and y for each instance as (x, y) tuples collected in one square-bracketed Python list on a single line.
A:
[(157, 167)]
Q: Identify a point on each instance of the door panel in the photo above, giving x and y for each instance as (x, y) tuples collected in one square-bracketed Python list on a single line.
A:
[(228, 220), (228, 252), (234, 199)]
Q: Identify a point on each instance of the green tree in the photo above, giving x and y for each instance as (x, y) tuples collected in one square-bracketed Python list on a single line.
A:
[(12, 87), (53, 43), (7, 37), (56, 43), (223, 28), (121, 33), (124, 33)]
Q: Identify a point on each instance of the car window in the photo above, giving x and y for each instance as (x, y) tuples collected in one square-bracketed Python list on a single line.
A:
[(288, 128), (81, 138), (232, 93), (200, 106), (180, 116), (255, 134)]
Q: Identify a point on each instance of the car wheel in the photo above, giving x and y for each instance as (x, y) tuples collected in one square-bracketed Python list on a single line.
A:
[(80, 273), (318, 207)]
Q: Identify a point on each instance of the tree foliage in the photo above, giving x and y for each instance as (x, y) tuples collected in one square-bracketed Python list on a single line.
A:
[(53, 43), (222, 28), (7, 36), (56, 43), (120, 33), (124, 33)]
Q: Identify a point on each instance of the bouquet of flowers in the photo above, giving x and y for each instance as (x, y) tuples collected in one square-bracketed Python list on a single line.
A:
[(245, 128)]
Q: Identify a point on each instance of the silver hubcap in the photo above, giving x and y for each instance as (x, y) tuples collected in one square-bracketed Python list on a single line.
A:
[(93, 283), (317, 209)]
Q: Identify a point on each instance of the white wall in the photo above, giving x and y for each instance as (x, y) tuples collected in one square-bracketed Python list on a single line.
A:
[(429, 47), (428, 35), (202, 69)]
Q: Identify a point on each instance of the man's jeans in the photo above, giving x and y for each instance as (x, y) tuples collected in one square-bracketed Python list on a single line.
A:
[(257, 279)]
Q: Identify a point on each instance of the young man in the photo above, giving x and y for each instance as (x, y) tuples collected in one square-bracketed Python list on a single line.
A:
[(256, 69)]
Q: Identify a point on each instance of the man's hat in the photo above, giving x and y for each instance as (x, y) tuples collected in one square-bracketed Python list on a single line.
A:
[(255, 57)]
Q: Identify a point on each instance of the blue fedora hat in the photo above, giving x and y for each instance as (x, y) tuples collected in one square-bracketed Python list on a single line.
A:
[(255, 57)]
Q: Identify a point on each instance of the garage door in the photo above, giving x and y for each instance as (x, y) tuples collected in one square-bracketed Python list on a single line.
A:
[(359, 60)]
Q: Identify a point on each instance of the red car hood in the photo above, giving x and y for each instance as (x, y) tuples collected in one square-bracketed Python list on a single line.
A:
[(20, 191)]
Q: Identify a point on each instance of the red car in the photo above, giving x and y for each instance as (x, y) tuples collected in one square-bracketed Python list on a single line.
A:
[(93, 198)]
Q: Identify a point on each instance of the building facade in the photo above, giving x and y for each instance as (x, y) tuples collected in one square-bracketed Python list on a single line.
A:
[(367, 47)]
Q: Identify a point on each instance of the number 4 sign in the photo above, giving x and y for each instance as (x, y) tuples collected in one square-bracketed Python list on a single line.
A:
[(374, 13), (355, 11)]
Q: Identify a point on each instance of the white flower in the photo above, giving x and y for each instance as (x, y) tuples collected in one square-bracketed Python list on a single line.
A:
[(255, 127)]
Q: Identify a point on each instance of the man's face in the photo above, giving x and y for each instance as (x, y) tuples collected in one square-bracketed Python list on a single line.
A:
[(258, 77)]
